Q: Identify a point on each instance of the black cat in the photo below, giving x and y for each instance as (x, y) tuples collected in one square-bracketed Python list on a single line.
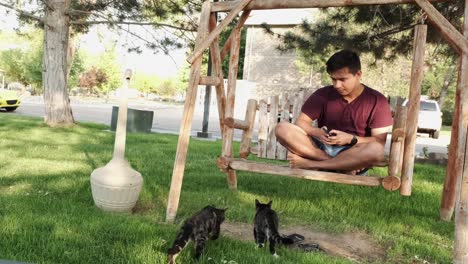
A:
[(202, 226), (266, 227)]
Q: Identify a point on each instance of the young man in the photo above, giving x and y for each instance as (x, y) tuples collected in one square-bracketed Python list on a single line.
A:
[(353, 121)]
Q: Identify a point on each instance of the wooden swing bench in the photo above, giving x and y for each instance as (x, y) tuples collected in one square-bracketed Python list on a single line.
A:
[(403, 135), (287, 108), (405, 123)]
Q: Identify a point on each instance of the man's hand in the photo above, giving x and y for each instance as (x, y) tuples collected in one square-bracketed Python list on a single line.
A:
[(336, 137)]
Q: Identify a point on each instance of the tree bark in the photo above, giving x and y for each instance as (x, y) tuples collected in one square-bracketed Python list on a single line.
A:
[(71, 51), (54, 64)]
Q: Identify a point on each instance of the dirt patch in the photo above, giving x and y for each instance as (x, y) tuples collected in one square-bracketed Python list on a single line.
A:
[(356, 246)]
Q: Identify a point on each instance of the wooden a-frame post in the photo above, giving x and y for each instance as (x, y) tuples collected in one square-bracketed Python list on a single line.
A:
[(204, 39), (186, 122), (461, 214), (456, 153), (420, 32)]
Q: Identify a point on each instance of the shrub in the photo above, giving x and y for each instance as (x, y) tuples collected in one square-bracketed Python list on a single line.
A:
[(447, 117)]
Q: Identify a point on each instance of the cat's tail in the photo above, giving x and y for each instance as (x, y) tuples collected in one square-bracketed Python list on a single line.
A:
[(179, 243), (281, 240)]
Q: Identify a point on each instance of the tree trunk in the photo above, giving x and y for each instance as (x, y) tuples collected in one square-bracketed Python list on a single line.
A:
[(71, 51), (55, 68)]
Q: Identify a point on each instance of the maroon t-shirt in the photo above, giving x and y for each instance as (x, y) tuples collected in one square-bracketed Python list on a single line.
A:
[(369, 110)]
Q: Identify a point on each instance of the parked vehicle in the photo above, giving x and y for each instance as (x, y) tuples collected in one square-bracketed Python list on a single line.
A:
[(429, 118), (9, 100)]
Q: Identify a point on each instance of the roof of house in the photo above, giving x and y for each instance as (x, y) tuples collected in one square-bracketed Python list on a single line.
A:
[(294, 16)]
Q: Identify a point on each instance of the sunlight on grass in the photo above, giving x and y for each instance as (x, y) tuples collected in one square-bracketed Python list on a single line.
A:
[(47, 214), (24, 166), (18, 188)]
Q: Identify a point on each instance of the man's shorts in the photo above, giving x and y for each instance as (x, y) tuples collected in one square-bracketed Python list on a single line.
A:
[(331, 150), (334, 150)]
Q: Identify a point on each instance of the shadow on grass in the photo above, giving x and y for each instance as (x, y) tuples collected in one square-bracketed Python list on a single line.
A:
[(52, 208)]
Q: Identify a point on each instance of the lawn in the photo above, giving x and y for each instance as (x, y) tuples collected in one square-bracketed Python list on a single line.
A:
[(446, 130), (47, 214)]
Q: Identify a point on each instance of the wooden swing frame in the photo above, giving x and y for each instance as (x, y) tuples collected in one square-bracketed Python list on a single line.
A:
[(455, 191)]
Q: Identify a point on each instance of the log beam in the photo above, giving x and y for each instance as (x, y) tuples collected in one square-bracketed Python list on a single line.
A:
[(240, 24), (394, 163), (274, 169), (398, 141), (246, 141), (461, 211), (446, 29), (391, 183), (229, 110), (218, 72), (219, 28), (186, 122), (417, 74), (232, 122), (226, 6), (209, 80)]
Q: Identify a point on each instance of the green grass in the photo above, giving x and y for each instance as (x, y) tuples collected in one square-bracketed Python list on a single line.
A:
[(446, 130), (47, 214)]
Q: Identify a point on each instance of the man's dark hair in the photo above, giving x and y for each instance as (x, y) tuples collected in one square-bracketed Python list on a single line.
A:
[(343, 59)]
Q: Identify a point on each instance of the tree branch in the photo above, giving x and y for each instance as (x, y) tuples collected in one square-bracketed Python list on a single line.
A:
[(113, 22), (81, 22), (23, 13), (145, 40)]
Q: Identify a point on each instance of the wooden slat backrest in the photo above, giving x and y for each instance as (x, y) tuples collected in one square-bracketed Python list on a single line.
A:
[(272, 121), (271, 110), (281, 151), (262, 128)]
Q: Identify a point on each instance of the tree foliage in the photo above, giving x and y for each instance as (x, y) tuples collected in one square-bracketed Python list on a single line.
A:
[(146, 83), (163, 87), (92, 79), (21, 59), (223, 38), (383, 31), (63, 19)]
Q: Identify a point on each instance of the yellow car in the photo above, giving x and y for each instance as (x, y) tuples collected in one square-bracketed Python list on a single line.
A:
[(9, 100)]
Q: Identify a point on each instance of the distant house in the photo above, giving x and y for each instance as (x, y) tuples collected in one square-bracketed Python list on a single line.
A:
[(273, 71)]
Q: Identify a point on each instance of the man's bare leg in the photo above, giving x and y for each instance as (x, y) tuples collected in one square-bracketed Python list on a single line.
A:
[(359, 156), (298, 142)]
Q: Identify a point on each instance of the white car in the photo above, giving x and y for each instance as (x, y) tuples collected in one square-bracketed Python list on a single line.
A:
[(429, 118)]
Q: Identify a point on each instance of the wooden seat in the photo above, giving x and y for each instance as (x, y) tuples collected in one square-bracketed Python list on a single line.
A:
[(287, 107)]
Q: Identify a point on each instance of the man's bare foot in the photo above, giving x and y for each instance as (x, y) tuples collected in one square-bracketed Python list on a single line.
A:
[(298, 162), (350, 172), (354, 172)]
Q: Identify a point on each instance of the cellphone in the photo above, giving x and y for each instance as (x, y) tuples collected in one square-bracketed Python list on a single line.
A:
[(328, 131)]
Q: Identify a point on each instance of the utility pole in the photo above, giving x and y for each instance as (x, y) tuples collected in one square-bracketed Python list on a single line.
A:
[(206, 111)]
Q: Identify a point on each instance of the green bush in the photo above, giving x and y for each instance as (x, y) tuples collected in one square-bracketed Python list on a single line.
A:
[(447, 117)]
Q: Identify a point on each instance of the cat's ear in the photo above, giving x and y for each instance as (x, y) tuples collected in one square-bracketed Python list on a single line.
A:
[(269, 203), (257, 203), (224, 210)]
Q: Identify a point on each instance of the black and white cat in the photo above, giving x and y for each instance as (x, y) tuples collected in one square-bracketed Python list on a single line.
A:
[(200, 227), (266, 227)]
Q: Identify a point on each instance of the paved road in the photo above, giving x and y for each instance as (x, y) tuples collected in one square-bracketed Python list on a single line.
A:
[(166, 116), (167, 119)]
